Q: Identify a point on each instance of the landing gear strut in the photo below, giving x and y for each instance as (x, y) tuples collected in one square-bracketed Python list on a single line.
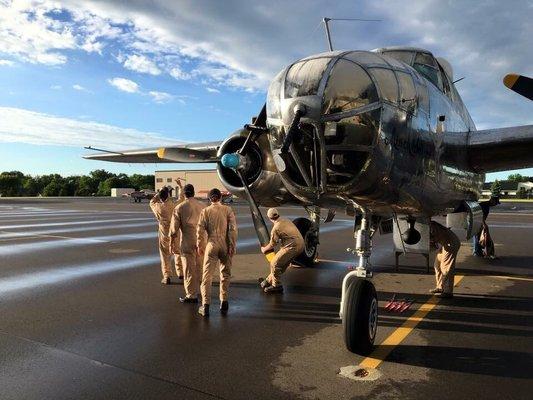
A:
[(359, 303)]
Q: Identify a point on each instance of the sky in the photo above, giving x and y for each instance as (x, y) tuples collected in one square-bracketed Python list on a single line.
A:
[(117, 75)]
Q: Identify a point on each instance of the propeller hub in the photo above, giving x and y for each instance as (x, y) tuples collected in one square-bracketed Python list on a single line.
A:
[(231, 160)]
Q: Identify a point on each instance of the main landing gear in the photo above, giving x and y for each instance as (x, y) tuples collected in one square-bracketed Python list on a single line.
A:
[(359, 302)]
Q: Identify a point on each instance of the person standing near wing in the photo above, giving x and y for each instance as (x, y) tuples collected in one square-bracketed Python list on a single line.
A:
[(162, 206), (217, 223), (448, 245), (185, 220)]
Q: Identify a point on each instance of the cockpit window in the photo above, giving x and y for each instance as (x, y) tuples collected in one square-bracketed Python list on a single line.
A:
[(273, 97), (387, 83), (404, 56), (348, 87), (425, 65), (304, 77)]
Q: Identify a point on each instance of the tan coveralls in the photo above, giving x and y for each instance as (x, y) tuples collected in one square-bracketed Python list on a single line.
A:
[(449, 245), (163, 213), (292, 244), (217, 222), (185, 220)]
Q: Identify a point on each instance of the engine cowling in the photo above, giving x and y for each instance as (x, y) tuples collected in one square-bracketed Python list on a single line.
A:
[(260, 172)]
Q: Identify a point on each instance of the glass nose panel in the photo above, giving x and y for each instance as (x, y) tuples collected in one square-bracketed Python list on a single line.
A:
[(304, 77), (348, 87)]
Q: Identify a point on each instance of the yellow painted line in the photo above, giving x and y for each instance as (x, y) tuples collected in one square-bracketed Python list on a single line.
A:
[(517, 278), (395, 338)]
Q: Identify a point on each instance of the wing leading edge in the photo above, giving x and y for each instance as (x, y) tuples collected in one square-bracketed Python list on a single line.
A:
[(187, 153)]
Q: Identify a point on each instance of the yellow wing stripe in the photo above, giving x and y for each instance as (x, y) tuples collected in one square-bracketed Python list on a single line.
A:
[(161, 152)]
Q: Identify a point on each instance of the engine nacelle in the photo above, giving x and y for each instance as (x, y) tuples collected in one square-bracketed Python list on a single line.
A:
[(260, 174)]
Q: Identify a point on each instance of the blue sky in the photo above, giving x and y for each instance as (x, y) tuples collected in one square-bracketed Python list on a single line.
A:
[(76, 73)]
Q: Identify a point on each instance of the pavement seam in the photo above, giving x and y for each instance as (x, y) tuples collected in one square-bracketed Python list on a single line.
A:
[(36, 342)]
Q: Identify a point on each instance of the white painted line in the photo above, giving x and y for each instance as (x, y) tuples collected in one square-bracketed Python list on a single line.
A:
[(98, 221)]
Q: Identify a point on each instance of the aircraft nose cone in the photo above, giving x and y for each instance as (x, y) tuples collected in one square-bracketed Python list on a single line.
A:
[(230, 160)]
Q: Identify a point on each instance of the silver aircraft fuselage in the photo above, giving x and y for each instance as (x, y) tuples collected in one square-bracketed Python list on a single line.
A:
[(372, 133)]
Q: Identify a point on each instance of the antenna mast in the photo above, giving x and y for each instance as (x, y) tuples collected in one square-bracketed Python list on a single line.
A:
[(328, 33)]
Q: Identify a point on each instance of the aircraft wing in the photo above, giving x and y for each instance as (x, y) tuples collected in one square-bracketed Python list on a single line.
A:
[(185, 153), (501, 149)]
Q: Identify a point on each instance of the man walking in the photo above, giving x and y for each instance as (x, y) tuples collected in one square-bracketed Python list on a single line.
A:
[(448, 245), (185, 220), (217, 226), (162, 206), (292, 245)]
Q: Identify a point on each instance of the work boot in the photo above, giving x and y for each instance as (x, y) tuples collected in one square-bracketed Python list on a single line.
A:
[(224, 306), (274, 289), (435, 291), (180, 277), (445, 295), (204, 310), (165, 281), (188, 299), (263, 283)]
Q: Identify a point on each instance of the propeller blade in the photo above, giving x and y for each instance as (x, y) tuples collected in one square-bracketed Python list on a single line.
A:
[(259, 223), (520, 84), (257, 128)]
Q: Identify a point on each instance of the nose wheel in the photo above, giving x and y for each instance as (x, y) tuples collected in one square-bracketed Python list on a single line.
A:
[(360, 316)]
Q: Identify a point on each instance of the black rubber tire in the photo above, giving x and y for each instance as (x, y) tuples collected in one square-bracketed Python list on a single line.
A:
[(306, 258), (360, 298)]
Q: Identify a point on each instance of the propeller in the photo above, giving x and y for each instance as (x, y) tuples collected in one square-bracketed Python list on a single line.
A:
[(520, 84), (238, 162)]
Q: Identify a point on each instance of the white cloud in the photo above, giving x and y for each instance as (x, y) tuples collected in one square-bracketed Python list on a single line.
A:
[(25, 126), (140, 63), (212, 90), (56, 87), (160, 97), (124, 85), (80, 88), (179, 74), (6, 63)]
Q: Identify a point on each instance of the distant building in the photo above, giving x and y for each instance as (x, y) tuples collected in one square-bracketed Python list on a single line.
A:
[(118, 192), (509, 188), (203, 180)]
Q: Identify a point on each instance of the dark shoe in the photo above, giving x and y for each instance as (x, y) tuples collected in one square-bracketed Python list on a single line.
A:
[(188, 299), (263, 283), (180, 277), (204, 310), (435, 291), (444, 295), (224, 306), (274, 289), (165, 281)]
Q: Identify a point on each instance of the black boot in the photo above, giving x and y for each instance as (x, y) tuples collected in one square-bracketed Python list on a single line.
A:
[(224, 306), (204, 310), (188, 299)]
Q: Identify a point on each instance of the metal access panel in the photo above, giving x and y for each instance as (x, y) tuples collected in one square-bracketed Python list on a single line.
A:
[(400, 225), (469, 221)]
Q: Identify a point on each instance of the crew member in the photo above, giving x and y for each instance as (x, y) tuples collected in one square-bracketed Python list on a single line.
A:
[(292, 245), (184, 220), (162, 206), (218, 223), (448, 245)]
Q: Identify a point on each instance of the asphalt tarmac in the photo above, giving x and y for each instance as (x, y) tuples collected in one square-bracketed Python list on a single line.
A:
[(83, 316)]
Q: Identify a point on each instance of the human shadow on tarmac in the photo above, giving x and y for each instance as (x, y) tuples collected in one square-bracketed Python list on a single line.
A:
[(460, 359)]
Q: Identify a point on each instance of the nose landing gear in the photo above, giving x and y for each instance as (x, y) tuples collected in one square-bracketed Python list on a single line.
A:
[(359, 302)]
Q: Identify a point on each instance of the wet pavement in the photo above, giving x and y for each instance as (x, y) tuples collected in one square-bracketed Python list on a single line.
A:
[(83, 315)]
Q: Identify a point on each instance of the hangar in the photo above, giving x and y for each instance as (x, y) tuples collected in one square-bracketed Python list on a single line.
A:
[(202, 179)]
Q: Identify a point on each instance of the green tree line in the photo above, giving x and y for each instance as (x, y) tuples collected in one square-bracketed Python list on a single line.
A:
[(97, 183)]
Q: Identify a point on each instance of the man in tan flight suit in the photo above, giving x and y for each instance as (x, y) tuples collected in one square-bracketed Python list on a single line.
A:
[(218, 223), (448, 245), (185, 220), (162, 206), (292, 245)]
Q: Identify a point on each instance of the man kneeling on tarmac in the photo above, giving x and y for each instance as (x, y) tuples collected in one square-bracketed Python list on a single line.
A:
[(292, 245)]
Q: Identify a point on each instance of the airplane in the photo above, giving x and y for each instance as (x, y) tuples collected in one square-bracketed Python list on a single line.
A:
[(383, 134)]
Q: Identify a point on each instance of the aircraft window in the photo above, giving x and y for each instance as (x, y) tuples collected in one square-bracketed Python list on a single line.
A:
[(387, 83), (423, 97), (348, 87), (304, 77), (426, 59), (430, 73), (273, 98), (407, 88), (404, 56), (364, 57)]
